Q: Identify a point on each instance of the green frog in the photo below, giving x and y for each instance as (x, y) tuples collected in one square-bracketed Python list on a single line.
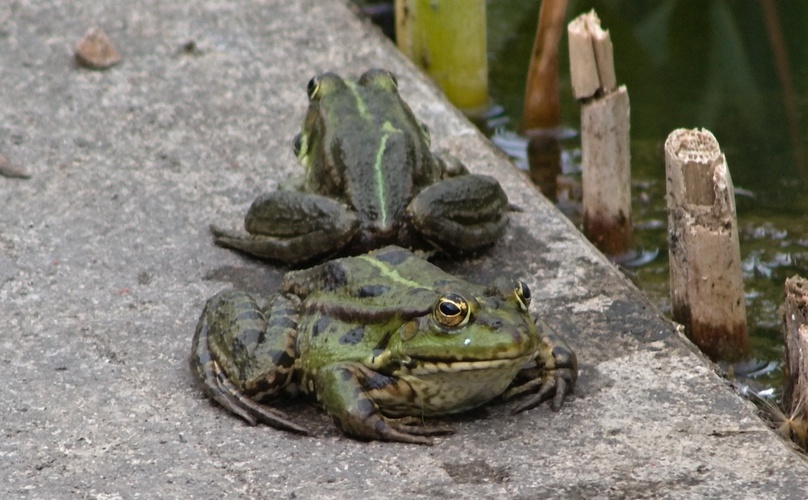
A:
[(382, 340), (370, 180)]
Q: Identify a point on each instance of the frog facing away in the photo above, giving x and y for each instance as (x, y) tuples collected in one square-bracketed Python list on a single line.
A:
[(370, 180), (381, 340)]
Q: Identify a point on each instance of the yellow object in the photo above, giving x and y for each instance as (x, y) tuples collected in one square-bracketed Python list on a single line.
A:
[(447, 39)]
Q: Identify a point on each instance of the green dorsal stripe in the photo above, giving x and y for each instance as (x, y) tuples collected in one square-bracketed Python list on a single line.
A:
[(378, 176), (360, 103), (390, 272)]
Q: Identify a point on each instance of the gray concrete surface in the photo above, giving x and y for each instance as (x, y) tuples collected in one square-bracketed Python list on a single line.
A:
[(106, 261)]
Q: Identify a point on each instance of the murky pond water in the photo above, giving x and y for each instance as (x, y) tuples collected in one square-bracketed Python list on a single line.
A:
[(691, 63)]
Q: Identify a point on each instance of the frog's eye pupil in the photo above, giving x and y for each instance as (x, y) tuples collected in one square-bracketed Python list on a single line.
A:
[(312, 87), (297, 144), (525, 290), (449, 308)]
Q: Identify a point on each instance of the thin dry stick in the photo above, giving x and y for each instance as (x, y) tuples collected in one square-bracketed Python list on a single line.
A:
[(780, 52)]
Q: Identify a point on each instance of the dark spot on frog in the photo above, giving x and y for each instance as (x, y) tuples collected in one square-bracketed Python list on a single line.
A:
[(393, 257), (281, 322), (251, 336), (261, 385), (320, 326), (282, 358), (353, 336), (333, 276), (365, 407), (249, 314), (371, 291), (377, 381)]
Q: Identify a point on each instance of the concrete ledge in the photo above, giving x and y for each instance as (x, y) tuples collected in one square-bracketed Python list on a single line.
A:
[(106, 261)]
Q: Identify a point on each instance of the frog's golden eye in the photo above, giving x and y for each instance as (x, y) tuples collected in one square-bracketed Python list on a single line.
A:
[(452, 310), (313, 87), (522, 295)]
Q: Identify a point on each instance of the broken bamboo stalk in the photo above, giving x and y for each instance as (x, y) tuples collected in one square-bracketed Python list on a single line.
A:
[(606, 158), (706, 283), (795, 336)]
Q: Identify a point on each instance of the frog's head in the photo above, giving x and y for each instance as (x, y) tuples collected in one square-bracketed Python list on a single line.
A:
[(467, 331), (340, 109)]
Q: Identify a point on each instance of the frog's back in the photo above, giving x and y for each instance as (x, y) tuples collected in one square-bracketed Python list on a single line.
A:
[(377, 149), (390, 278)]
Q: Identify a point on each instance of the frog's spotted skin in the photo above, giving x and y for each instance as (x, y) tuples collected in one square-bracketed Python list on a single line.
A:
[(370, 180), (382, 340)]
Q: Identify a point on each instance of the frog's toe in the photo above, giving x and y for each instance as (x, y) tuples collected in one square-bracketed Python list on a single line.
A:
[(555, 386), (229, 396), (410, 430), (236, 240), (416, 426)]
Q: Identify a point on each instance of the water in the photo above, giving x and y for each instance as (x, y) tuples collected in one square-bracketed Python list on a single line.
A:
[(696, 63)]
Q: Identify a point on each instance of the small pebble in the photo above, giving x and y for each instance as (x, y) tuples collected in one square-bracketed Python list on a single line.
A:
[(9, 169), (95, 51)]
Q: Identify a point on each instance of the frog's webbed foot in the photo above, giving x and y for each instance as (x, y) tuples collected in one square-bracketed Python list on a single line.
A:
[(231, 398), (552, 381), (348, 392), (463, 213), (234, 315), (292, 227)]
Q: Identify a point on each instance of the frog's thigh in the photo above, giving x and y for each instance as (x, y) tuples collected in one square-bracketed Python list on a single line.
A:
[(346, 392), (293, 227), (464, 213), (242, 353)]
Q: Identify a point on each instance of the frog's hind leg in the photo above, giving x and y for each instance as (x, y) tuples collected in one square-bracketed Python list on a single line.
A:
[(292, 227), (463, 213), (346, 391), (229, 316)]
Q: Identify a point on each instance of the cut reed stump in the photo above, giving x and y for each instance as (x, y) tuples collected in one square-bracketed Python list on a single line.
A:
[(705, 258), (795, 331), (606, 157), (542, 107)]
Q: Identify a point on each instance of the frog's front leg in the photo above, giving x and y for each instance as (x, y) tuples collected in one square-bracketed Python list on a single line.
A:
[(292, 226), (242, 354), (552, 375), (466, 212), (346, 391)]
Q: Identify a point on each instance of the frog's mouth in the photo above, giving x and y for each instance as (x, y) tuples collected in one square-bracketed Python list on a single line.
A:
[(426, 366)]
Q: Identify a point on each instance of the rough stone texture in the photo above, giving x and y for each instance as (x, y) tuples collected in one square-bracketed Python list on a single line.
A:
[(106, 260)]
